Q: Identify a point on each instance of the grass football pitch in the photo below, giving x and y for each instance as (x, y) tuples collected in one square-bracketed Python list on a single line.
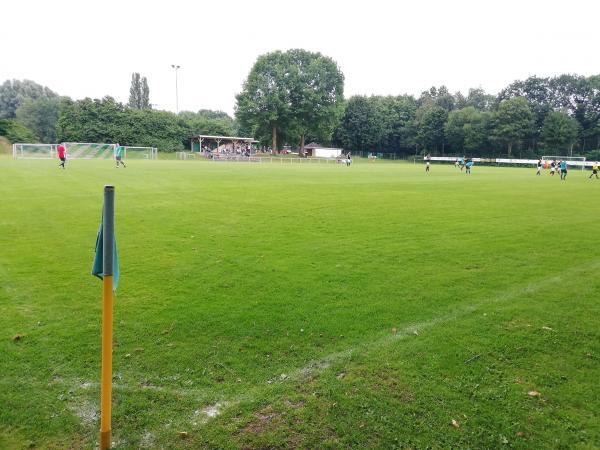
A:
[(302, 306)]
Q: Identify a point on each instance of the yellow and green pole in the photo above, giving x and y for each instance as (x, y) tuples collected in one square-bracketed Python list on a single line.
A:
[(108, 242)]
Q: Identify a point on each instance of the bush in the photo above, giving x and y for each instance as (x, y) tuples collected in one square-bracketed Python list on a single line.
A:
[(15, 131), (594, 155)]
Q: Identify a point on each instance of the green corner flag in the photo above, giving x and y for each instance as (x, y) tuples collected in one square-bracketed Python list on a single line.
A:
[(97, 268), (106, 266)]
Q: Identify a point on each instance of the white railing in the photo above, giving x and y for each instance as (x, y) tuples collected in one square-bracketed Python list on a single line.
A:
[(452, 159)]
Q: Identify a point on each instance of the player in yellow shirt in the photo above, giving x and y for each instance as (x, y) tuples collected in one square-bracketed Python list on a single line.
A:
[(594, 170)]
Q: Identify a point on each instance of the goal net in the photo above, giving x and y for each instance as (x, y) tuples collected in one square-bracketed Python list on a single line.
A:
[(89, 150), (575, 161), (34, 151), (139, 152), (185, 155), (81, 150)]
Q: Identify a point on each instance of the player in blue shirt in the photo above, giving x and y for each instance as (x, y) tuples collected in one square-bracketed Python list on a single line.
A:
[(468, 166), (119, 155), (563, 170)]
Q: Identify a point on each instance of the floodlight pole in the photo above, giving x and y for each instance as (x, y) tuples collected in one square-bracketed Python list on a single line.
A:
[(176, 67)]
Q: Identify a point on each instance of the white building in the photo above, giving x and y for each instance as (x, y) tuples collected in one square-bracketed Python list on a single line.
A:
[(318, 151)]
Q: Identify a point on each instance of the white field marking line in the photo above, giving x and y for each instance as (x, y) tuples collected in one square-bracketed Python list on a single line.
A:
[(184, 392), (321, 364)]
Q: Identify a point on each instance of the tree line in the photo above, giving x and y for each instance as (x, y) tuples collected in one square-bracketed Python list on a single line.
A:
[(558, 115), (30, 112), (294, 97), (539, 115)]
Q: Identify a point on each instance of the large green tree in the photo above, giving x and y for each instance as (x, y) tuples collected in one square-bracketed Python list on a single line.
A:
[(298, 91), (135, 89), (512, 122), (264, 103), (41, 117), (560, 131), (145, 94), (398, 116), (431, 120), (440, 97), (139, 92), (316, 91), (466, 130), (361, 127), (14, 92)]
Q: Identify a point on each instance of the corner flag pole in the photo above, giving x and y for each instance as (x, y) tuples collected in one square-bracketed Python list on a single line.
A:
[(108, 244)]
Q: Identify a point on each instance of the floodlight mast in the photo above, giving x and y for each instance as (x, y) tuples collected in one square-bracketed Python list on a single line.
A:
[(176, 67)]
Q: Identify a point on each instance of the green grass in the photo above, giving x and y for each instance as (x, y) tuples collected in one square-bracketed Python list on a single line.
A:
[(318, 306)]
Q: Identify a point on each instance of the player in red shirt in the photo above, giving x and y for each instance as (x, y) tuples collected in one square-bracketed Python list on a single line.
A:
[(62, 155)]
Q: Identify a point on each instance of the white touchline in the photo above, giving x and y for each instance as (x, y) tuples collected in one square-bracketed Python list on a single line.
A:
[(209, 411)]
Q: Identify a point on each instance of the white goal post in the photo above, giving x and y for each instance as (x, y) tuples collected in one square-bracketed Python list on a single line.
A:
[(577, 161)]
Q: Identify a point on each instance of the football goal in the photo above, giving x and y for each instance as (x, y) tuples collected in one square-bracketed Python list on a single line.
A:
[(140, 152), (81, 150), (34, 151), (575, 161)]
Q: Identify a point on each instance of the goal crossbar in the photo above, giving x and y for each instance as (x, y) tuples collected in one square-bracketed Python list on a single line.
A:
[(578, 161)]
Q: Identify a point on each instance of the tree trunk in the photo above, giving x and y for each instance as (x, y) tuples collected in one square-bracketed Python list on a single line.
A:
[(274, 128), (301, 145), (509, 149)]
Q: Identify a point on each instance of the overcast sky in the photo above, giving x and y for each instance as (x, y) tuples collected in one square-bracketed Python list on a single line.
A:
[(90, 48)]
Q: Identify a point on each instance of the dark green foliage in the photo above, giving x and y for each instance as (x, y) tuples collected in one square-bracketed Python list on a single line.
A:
[(560, 131), (316, 87), (399, 122), (15, 131), (14, 93), (208, 122), (466, 130), (263, 106), (378, 124), (478, 123), (512, 122), (107, 120), (139, 92), (476, 98), (145, 94), (439, 97), (431, 119), (576, 95), (41, 117), (296, 93), (361, 126), (135, 91), (210, 114)]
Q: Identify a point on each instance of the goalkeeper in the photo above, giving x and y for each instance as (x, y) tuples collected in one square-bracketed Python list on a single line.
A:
[(119, 155)]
